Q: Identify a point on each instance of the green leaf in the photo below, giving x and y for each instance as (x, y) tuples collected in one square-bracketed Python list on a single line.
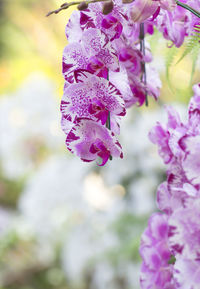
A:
[(171, 54), (195, 55), (192, 44)]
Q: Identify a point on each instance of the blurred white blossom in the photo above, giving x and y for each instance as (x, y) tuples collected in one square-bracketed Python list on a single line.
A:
[(84, 247), (29, 123), (7, 220), (52, 197)]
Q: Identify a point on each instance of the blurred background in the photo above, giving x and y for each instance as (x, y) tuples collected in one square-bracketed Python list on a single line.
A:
[(66, 224)]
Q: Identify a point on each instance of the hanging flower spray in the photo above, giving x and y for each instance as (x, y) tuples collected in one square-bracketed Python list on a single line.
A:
[(107, 69)]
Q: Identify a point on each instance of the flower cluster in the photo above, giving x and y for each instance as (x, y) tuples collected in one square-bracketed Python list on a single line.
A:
[(177, 24), (103, 69), (173, 21), (90, 101), (106, 67), (170, 244)]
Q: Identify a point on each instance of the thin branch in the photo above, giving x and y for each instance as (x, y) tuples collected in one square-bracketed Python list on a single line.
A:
[(187, 7), (62, 7), (68, 4)]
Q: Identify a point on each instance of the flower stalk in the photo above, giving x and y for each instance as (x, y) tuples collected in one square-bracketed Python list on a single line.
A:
[(108, 121), (142, 49), (187, 7), (67, 5)]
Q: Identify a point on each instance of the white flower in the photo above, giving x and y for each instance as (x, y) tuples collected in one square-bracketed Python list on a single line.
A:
[(29, 123), (52, 198)]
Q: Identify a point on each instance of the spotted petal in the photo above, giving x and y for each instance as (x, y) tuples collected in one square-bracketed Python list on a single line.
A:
[(96, 43), (74, 57), (91, 89), (90, 140), (92, 97)]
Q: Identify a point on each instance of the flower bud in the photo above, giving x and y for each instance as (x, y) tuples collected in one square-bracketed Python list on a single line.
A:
[(141, 10), (82, 6), (127, 1), (64, 5), (107, 7)]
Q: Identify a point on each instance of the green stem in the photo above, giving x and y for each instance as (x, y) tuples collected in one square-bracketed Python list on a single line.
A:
[(142, 49), (108, 126), (192, 10), (108, 119)]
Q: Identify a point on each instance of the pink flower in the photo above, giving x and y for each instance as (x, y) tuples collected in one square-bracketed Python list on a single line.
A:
[(138, 89), (156, 272), (94, 53), (177, 24), (191, 162), (131, 59), (143, 9), (110, 21), (187, 273), (194, 109), (167, 4), (165, 200), (97, 44), (158, 135), (169, 137), (178, 145), (111, 24), (74, 57), (121, 82), (179, 198), (91, 97), (153, 82), (90, 140), (73, 29), (104, 72), (185, 229)]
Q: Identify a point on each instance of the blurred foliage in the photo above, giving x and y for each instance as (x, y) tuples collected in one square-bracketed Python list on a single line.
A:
[(10, 191), (29, 41), (130, 239), (27, 270), (179, 76)]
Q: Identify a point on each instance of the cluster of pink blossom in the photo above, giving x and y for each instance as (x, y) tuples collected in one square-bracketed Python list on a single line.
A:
[(170, 245), (173, 21), (106, 69), (177, 24)]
